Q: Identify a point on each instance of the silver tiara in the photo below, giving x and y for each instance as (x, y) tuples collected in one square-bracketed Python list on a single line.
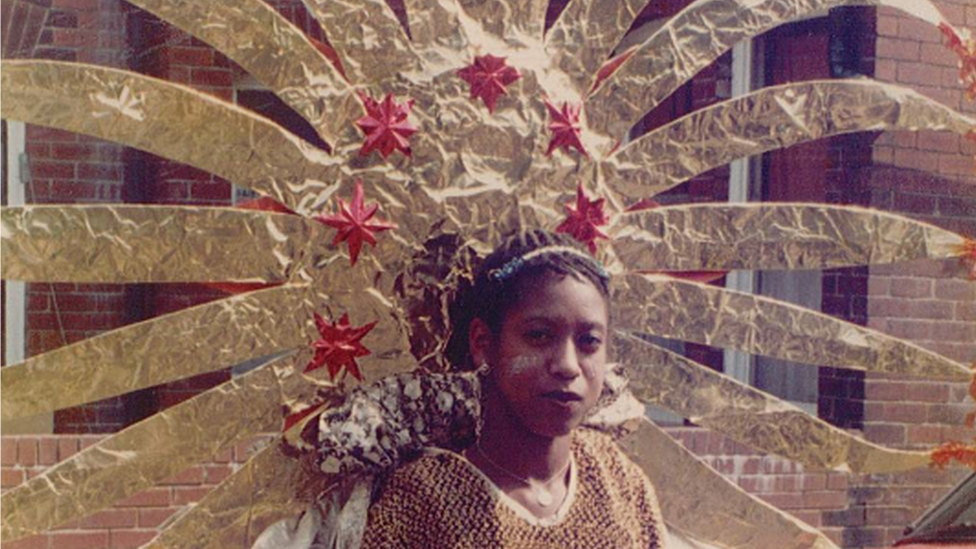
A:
[(515, 264)]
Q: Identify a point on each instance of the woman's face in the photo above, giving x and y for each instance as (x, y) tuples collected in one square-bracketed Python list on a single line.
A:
[(548, 361)]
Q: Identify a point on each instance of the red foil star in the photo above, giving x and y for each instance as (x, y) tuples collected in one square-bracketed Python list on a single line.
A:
[(385, 126), (339, 347), (354, 224), (488, 77), (965, 48), (564, 124), (582, 222)]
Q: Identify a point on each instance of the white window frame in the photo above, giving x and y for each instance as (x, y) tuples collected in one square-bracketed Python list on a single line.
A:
[(15, 300)]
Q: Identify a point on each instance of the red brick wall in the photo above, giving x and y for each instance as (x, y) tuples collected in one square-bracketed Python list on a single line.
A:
[(129, 523)]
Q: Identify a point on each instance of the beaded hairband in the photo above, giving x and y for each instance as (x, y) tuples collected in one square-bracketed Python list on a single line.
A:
[(514, 265)]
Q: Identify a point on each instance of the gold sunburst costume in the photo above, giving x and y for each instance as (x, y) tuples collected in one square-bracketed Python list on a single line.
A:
[(467, 123)]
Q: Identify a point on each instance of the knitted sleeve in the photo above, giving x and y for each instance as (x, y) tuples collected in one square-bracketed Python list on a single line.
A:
[(397, 519)]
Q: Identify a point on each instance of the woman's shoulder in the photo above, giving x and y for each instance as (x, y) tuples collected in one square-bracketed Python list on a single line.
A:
[(437, 477), (619, 483)]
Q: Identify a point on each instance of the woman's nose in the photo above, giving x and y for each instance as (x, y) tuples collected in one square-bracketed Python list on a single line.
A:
[(565, 362)]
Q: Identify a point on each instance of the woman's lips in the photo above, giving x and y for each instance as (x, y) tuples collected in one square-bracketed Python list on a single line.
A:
[(563, 397)]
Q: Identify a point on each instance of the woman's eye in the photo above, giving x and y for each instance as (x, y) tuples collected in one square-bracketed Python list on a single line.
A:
[(537, 336), (589, 343)]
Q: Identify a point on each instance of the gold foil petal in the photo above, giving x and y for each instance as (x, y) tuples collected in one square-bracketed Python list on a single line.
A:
[(151, 450), (696, 37), (707, 506), (713, 237), (518, 21), (127, 244), (768, 119), (234, 513), (668, 307), (171, 121), (220, 334), (368, 38), (270, 48), (762, 421), (585, 35)]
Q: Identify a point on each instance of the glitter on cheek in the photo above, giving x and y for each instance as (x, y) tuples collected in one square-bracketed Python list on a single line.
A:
[(520, 364)]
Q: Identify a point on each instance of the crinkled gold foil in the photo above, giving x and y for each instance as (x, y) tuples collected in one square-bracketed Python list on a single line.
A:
[(713, 237), (262, 491), (270, 48), (586, 33), (512, 20), (668, 307), (154, 449), (367, 36), (171, 121), (768, 119), (752, 417), (707, 506), (128, 244), (691, 41), (182, 344)]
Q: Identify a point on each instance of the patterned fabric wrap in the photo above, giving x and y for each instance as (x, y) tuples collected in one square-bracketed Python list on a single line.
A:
[(382, 424)]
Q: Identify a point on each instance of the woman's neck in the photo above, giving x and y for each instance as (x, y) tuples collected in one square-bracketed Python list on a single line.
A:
[(505, 442)]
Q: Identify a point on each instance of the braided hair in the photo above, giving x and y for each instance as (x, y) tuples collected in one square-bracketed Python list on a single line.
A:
[(499, 283)]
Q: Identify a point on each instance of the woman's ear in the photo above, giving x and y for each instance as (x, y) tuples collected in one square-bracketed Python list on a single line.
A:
[(479, 342)]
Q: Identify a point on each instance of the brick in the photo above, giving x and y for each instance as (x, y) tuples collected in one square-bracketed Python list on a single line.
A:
[(886, 433), (79, 540), (216, 78), (838, 481), (913, 330), (110, 518), (183, 495), (153, 497), (916, 73), (154, 517), (911, 287), (925, 434), (8, 451), (955, 331), (901, 412), (52, 170), (131, 539), (915, 29), (11, 477), (893, 48), (955, 290), (854, 516), (215, 474), (47, 453), (33, 542), (27, 451), (196, 57), (191, 476), (887, 26), (916, 160)]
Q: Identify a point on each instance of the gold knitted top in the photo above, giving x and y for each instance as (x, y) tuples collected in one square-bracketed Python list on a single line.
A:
[(443, 501)]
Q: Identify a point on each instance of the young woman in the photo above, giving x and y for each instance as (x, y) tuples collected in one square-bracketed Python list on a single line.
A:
[(536, 324)]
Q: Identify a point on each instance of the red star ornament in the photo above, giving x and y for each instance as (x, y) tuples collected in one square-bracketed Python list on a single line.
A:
[(564, 125), (354, 223), (385, 126), (582, 222), (488, 77), (339, 347)]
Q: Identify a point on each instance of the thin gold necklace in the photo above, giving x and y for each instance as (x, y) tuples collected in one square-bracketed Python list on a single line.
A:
[(540, 489)]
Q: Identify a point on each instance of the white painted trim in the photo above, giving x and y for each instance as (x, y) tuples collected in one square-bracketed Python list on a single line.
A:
[(15, 303), (737, 364)]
